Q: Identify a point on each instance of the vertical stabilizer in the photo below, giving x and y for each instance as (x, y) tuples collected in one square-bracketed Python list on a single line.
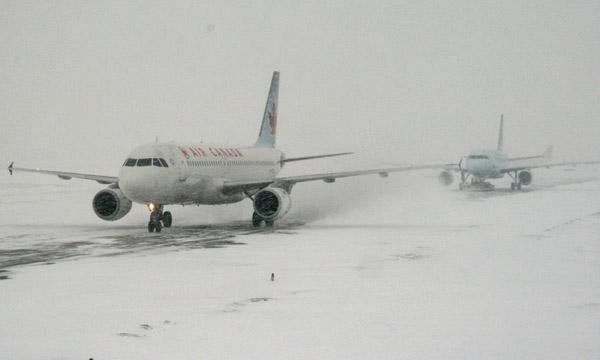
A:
[(548, 153), (501, 134), (268, 128)]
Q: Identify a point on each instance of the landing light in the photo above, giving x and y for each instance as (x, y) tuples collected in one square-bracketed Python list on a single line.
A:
[(151, 207)]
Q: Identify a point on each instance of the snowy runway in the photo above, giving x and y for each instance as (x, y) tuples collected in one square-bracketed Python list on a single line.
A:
[(422, 273)]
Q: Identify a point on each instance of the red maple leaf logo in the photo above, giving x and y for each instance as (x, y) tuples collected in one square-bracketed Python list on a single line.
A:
[(273, 118)]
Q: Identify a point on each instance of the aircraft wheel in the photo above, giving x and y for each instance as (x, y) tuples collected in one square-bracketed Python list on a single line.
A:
[(269, 223), (167, 219), (519, 187), (157, 227), (150, 226), (256, 220), (512, 186)]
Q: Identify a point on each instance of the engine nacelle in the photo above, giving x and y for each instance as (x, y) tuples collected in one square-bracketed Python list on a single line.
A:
[(446, 178), (525, 177), (110, 204), (272, 203)]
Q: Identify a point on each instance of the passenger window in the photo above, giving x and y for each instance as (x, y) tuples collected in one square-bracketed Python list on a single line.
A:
[(130, 162), (163, 162), (155, 162), (144, 162)]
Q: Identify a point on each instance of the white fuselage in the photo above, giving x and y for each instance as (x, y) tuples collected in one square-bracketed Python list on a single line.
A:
[(492, 164), (194, 173), (485, 164)]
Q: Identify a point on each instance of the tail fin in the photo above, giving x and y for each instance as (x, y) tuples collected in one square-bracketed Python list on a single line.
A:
[(548, 153), (268, 129), (501, 134)]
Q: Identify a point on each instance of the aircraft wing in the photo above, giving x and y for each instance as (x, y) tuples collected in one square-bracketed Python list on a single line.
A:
[(448, 167), (549, 165), (230, 187), (68, 175)]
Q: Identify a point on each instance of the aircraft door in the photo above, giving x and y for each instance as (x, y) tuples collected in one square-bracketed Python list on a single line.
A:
[(181, 164), (184, 171)]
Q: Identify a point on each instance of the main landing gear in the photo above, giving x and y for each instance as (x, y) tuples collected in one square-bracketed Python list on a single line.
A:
[(158, 218), (257, 220), (516, 184)]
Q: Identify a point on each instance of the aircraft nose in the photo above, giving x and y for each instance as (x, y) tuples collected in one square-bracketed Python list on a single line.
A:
[(134, 184), (478, 166)]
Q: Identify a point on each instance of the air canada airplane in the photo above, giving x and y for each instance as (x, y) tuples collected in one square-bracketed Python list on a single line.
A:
[(481, 165), (161, 174)]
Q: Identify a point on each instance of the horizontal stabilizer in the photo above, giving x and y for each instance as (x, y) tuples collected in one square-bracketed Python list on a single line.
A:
[(314, 157)]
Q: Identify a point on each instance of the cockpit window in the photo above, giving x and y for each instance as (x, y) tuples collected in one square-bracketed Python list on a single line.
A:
[(144, 162), (130, 162), (478, 157)]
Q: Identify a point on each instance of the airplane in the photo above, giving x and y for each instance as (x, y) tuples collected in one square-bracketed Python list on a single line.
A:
[(161, 174), (481, 165)]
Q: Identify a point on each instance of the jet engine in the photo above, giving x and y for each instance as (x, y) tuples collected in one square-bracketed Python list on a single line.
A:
[(272, 203), (525, 177), (446, 178), (110, 204)]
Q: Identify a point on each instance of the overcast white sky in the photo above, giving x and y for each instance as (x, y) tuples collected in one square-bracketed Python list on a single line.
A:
[(82, 82)]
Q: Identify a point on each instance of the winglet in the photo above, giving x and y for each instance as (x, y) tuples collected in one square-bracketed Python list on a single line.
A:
[(10, 167), (501, 133)]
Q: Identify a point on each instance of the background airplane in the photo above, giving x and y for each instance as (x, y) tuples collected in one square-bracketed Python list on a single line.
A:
[(481, 165), (160, 174)]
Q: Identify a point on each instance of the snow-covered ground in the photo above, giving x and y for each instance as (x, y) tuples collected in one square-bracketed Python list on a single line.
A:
[(373, 268)]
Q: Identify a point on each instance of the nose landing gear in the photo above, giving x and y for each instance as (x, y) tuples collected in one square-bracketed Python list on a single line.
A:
[(167, 219), (475, 185), (158, 218)]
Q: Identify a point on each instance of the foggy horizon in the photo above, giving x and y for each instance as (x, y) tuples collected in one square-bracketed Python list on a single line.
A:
[(415, 82)]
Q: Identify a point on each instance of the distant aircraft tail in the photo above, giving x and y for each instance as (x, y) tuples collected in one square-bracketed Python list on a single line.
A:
[(268, 128), (548, 153), (501, 134)]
